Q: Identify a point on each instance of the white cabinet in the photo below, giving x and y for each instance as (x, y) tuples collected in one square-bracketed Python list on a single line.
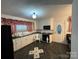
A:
[(27, 40), (24, 41), (14, 44), (19, 43)]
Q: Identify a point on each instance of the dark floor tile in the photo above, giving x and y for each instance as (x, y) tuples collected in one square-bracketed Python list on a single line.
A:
[(51, 51)]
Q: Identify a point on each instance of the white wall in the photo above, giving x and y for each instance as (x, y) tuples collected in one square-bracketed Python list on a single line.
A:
[(60, 15), (42, 22), (74, 38)]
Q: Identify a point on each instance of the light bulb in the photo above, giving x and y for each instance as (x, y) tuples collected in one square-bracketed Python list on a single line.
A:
[(34, 16)]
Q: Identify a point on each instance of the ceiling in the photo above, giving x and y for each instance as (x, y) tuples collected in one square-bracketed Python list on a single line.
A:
[(25, 8)]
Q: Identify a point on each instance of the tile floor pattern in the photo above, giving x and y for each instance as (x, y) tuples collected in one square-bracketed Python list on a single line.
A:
[(36, 52), (51, 51)]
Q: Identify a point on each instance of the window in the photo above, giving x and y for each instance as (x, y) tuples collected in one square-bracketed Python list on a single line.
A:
[(21, 27)]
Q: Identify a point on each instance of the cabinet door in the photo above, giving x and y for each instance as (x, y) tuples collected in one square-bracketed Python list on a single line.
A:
[(24, 41), (30, 39), (27, 40), (21, 42), (18, 43), (14, 44)]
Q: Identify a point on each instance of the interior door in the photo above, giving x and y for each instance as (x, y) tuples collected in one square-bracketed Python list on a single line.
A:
[(59, 27)]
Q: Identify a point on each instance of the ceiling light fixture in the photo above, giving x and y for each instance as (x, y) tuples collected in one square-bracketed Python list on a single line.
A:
[(34, 16)]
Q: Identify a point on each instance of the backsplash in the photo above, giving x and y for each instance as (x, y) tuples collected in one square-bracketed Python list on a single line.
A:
[(20, 34)]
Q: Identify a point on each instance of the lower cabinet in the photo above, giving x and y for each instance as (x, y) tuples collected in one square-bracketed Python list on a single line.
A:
[(24, 41), (19, 43), (14, 44)]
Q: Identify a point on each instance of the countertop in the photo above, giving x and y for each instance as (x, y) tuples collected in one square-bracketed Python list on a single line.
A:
[(31, 34)]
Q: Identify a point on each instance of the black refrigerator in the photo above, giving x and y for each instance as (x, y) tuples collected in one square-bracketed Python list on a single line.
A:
[(6, 42)]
